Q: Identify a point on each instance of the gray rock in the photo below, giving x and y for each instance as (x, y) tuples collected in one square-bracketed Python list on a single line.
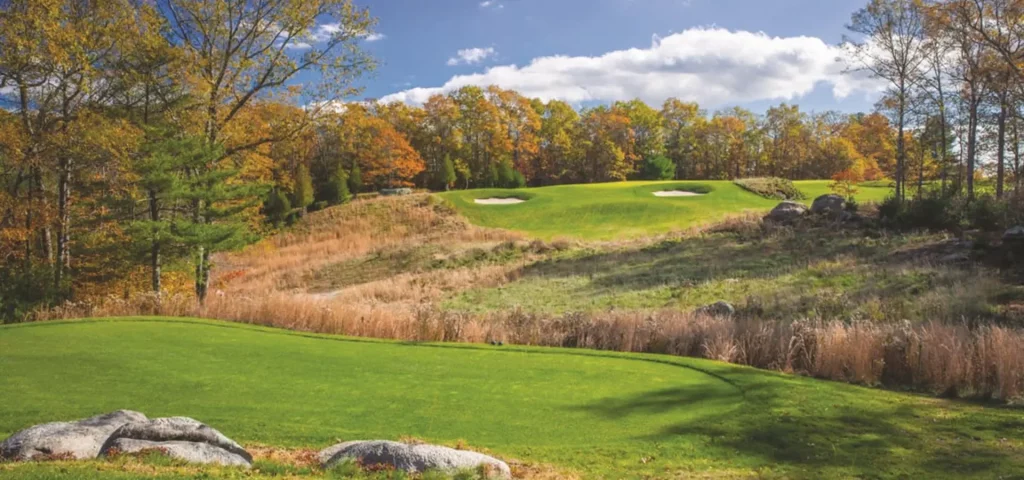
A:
[(191, 452), (412, 458), (832, 205), (1014, 234), (717, 309), (79, 440), (393, 192), (957, 257), (787, 212), (175, 430)]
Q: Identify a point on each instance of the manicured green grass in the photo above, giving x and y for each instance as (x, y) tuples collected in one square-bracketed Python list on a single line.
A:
[(601, 415), (607, 211)]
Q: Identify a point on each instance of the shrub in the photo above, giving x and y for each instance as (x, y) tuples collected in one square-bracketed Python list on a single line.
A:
[(518, 180), (277, 207), (355, 180), (771, 187), (852, 205), (658, 168), (936, 210), (336, 191), (987, 213), (302, 197)]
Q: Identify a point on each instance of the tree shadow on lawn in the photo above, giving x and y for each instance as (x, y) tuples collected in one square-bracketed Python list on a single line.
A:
[(794, 428)]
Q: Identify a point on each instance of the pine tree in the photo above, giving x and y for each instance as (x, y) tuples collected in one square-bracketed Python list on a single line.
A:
[(337, 188), (355, 180), (302, 197), (277, 207), (506, 176), (216, 201), (161, 171)]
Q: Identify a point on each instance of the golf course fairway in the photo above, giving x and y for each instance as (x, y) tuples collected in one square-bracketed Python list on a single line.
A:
[(594, 414)]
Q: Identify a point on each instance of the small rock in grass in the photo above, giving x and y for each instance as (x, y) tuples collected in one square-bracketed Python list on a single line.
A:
[(179, 437), (717, 309), (412, 458), (78, 440), (787, 212)]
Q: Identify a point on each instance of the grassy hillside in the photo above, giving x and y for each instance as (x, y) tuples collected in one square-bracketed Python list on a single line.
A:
[(608, 211), (598, 415)]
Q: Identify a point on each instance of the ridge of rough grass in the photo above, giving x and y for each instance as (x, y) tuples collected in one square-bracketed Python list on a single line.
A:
[(601, 414), (767, 273), (623, 210), (773, 188)]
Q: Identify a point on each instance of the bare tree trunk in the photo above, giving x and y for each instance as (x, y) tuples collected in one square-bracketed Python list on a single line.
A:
[(972, 141), (1001, 146), (154, 259), (901, 152), (63, 221)]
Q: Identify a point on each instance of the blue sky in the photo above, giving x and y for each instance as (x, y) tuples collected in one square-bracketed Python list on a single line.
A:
[(686, 48)]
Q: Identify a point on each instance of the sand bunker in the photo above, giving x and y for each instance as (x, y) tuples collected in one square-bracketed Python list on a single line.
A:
[(499, 201), (677, 193)]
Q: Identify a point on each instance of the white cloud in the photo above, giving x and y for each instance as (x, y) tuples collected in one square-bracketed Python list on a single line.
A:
[(469, 56), (325, 31), (712, 66), (491, 4)]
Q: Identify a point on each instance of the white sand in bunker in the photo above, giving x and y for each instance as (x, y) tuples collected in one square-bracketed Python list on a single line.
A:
[(499, 201), (677, 193)]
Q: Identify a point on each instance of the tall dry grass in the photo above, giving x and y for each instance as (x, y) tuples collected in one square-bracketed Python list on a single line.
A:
[(282, 262), (938, 358)]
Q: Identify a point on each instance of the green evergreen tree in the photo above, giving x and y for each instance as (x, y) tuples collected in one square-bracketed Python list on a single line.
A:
[(277, 207), (658, 167), (506, 175), (518, 179), (355, 180), (302, 196), (216, 202), (447, 173), (337, 191), (161, 170)]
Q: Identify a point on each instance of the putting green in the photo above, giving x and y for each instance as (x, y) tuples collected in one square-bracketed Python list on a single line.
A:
[(606, 211)]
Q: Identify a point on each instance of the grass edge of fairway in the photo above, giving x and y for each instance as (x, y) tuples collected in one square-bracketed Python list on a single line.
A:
[(712, 368)]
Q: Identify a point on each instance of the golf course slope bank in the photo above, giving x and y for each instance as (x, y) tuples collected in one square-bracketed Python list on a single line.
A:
[(574, 412), (611, 211)]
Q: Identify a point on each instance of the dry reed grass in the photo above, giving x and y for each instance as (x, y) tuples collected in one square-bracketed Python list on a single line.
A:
[(956, 360), (338, 234)]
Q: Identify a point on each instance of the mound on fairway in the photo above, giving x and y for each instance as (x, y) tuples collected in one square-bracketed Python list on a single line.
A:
[(599, 415), (606, 211)]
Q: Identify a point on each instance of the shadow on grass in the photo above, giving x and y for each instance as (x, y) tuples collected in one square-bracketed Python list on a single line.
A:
[(809, 271), (794, 430)]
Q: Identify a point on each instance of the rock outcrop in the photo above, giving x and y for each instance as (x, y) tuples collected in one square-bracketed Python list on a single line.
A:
[(412, 458), (786, 212), (179, 437), (717, 309), (79, 440), (831, 205)]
